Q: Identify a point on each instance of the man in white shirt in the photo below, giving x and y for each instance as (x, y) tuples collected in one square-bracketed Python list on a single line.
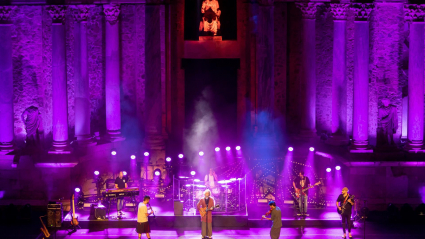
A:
[(142, 218), (211, 179)]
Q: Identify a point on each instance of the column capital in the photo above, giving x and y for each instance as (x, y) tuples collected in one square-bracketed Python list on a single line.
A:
[(112, 12), (57, 12), (414, 12), (308, 9), (81, 12), (5, 14), (339, 10), (362, 11)]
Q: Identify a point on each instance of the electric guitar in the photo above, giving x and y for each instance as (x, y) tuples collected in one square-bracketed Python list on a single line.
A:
[(203, 210), (300, 192), (343, 205), (74, 219)]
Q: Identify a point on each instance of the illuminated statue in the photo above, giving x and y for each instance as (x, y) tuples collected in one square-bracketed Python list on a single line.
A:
[(210, 21), (387, 123), (33, 124)]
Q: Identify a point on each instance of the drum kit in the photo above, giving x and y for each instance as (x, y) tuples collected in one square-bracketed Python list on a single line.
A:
[(221, 191)]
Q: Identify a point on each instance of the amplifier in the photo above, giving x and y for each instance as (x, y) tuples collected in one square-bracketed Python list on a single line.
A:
[(54, 215)]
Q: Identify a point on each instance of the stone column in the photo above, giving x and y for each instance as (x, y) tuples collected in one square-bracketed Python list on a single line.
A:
[(361, 78), (339, 80), (59, 81), (81, 77), (6, 81), (112, 79), (308, 69), (415, 124)]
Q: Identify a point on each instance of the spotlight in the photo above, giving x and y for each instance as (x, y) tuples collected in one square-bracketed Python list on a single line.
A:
[(180, 156), (311, 149), (228, 148), (77, 189), (146, 154), (338, 167), (113, 152), (124, 173), (217, 149), (157, 172), (192, 173), (238, 147), (201, 153), (133, 156), (328, 170), (96, 172), (196, 180), (291, 149), (168, 159)]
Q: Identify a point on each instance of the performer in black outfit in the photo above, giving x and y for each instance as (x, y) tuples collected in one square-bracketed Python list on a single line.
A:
[(346, 215), (300, 183)]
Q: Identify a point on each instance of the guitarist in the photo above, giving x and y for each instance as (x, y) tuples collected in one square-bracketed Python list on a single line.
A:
[(206, 202), (300, 183), (346, 215)]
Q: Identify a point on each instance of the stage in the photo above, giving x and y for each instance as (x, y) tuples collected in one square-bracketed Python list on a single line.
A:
[(166, 220)]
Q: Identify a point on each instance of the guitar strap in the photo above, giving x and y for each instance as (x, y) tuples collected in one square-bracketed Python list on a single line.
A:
[(345, 200)]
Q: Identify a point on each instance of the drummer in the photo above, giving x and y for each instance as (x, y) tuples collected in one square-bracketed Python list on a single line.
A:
[(211, 179)]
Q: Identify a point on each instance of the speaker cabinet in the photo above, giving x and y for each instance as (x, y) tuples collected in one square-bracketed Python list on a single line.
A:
[(54, 215), (178, 208)]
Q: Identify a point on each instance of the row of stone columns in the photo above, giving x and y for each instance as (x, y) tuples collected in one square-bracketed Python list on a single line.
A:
[(414, 14), (59, 78)]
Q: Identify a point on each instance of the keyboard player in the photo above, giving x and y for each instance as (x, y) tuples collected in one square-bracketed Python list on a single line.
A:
[(120, 183)]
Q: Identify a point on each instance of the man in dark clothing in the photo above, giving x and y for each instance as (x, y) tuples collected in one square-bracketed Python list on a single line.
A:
[(300, 183), (120, 182), (276, 217), (346, 215)]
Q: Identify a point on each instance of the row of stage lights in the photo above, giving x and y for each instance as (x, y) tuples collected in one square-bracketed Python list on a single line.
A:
[(168, 159), (328, 169)]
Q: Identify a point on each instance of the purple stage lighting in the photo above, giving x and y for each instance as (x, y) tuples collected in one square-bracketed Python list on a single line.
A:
[(168, 159), (311, 149), (228, 148), (180, 156), (124, 173), (133, 156), (113, 152), (201, 153), (238, 147), (328, 170), (157, 173), (146, 154), (217, 149), (291, 149), (338, 167), (96, 172), (192, 173), (77, 189)]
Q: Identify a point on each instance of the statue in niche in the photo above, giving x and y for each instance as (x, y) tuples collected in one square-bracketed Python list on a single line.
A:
[(210, 18), (33, 125), (387, 123)]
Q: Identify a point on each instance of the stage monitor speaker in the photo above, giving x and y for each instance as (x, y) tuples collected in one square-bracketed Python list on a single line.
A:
[(100, 213), (178, 208), (54, 215)]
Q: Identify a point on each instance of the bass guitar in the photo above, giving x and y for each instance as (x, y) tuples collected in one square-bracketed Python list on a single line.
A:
[(300, 192), (344, 204), (203, 210), (74, 219)]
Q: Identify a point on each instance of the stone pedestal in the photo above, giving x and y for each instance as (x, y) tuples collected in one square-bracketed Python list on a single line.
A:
[(59, 83), (112, 74), (308, 69), (339, 80), (6, 82), (361, 79), (415, 123), (81, 78)]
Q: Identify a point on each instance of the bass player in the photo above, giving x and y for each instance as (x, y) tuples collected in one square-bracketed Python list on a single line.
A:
[(346, 214)]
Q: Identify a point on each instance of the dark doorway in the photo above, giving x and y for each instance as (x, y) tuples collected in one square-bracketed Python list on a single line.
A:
[(210, 100)]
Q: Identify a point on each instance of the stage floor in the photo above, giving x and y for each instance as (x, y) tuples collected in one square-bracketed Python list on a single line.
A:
[(372, 231)]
